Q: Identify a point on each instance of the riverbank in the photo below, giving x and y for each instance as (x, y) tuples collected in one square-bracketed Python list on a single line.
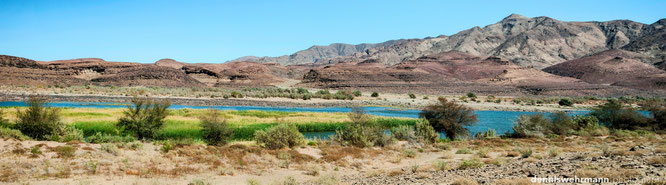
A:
[(387, 100)]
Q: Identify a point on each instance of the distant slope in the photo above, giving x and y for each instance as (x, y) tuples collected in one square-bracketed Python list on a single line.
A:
[(452, 72), (539, 42), (317, 54), (612, 67)]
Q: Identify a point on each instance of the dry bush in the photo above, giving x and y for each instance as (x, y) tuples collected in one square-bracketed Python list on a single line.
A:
[(512, 154), (335, 153), (65, 151), (395, 172)]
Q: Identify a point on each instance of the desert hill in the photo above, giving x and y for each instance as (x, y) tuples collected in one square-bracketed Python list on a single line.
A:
[(612, 67)]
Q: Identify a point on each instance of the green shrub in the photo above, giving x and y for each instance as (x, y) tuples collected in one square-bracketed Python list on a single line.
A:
[(470, 164), (35, 150), (471, 95), (464, 151), (236, 94), (7, 133), (106, 138), (361, 132), (301, 90), (39, 121), (67, 134), (450, 117), (565, 102), (136, 146), (281, 136), (306, 97), (409, 153), (144, 118), (357, 93), (215, 129), (403, 132), (166, 147), (375, 94), (412, 95), (344, 95), (425, 132), (323, 92)]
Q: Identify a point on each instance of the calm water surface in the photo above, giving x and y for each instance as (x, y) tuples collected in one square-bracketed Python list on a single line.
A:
[(501, 121)]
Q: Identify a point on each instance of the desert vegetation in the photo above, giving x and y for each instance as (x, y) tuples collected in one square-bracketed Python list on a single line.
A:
[(192, 142), (450, 118)]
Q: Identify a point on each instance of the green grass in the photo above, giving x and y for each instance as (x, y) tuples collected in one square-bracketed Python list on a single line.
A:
[(173, 129), (91, 127), (178, 129)]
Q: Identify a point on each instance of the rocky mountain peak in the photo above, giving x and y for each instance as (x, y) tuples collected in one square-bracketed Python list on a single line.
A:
[(514, 17)]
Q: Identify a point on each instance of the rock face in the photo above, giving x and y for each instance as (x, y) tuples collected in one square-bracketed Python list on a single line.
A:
[(538, 42), (652, 43)]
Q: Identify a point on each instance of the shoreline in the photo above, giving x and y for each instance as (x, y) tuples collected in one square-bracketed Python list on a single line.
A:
[(286, 102)]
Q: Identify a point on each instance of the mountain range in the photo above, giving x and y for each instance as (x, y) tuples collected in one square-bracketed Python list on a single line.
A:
[(515, 56), (538, 42)]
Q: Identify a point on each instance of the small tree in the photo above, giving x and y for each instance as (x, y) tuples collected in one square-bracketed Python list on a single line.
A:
[(565, 102), (375, 94), (449, 117), (536, 125), (616, 115), (39, 121), (215, 129), (144, 117), (561, 123)]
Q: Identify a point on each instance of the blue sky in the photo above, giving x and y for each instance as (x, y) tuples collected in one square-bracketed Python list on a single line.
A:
[(217, 31)]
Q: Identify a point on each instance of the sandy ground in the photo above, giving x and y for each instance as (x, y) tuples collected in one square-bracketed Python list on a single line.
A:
[(400, 163)]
